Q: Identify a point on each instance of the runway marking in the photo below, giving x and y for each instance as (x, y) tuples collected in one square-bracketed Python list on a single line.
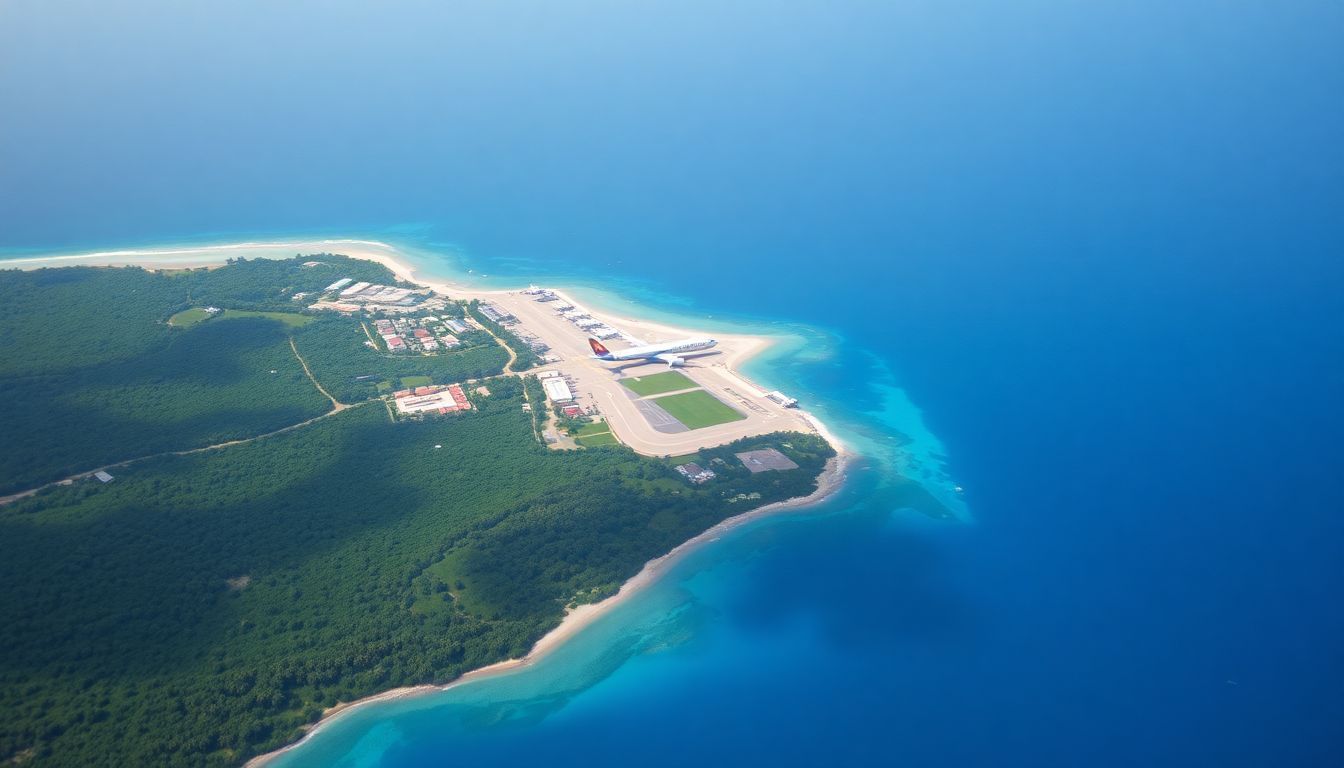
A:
[(659, 419)]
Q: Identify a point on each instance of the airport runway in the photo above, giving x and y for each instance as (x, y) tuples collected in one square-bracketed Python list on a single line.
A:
[(641, 424), (659, 419)]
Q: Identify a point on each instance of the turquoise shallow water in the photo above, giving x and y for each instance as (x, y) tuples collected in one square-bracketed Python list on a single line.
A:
[(851, 389), (1096, 247), (627, 654), (644, 641)]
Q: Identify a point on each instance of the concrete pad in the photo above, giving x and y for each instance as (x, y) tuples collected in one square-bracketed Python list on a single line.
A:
[(597, 383), (659, 419)]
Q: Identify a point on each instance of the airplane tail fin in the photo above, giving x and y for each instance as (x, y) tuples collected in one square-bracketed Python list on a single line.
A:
[(598, 348)]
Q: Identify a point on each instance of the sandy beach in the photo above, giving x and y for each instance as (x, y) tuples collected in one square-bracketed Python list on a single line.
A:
[(189, 257), (831, 480), (737, 348), (723, 377), (596, 385)]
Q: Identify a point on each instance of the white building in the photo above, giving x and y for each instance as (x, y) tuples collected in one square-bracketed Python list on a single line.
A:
[(557, 390)]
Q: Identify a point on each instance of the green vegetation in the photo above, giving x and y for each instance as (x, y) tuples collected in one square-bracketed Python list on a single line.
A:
[(372, 561), (535, 396), (291, 319), (416, 381), (698, 409), (189, 317), (524, 357), (339, 356), (594, 434), (594, 441), (592, 428), (203, 607), (658, 383), (270, 284), (591, 541), (94, 373)]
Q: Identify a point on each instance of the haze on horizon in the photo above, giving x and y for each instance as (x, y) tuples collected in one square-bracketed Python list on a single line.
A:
[(1094, 246)]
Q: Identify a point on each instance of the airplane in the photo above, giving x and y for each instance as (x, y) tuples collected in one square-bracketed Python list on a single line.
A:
[(671, 352)]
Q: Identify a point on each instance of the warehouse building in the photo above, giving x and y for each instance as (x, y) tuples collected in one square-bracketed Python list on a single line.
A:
[(557, 390)]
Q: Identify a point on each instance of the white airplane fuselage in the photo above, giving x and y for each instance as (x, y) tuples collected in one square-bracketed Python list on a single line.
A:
[(670, 352)]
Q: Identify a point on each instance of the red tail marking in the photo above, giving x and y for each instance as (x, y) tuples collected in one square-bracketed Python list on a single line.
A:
[(598, 348)]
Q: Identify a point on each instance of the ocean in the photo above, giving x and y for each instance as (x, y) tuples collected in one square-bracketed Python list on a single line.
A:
[(1082, 261)]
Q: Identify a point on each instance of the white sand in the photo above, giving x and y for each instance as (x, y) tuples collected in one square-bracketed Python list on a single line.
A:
[(578, 618), (738, 348)]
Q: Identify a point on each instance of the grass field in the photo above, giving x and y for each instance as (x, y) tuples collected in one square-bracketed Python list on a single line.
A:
[(595, 434), (658, 383), (291, 319), (593, 441), (592, 428), (188, 317), (416, 381), (698, 409)]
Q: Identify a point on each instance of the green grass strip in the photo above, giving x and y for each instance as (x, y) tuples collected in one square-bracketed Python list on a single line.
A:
[(658, 383), (698, 409)]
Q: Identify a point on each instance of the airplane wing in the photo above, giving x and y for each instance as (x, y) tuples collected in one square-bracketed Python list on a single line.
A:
[(634, 340), (671, 359)]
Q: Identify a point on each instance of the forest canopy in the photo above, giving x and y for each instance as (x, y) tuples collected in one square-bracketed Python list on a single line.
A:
[(200, 609), (92, 372)]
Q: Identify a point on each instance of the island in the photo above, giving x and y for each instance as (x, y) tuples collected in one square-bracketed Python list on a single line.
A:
[(239, 494)]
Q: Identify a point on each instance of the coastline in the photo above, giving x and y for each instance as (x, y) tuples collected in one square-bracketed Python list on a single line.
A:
[(830, 482), (575, 620), (736, 347), (190, 257)]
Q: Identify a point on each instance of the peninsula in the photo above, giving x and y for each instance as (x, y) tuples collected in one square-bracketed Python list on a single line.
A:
[(248, 485)]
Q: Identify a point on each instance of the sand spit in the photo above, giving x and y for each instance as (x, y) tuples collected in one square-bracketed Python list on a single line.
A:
[(575, 620)]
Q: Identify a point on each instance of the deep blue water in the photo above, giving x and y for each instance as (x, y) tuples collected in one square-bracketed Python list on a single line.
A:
[(1098, 246)]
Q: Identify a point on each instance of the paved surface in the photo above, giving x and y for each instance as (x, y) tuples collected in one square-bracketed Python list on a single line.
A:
[(596, 383), (659, 419), (765, 460)]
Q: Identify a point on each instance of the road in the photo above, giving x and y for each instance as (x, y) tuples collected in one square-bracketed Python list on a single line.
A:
[(597, 383), (336, 407)]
